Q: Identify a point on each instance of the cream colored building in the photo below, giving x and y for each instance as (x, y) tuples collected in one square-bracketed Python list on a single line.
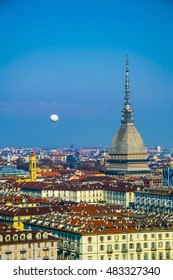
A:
[(27, 245), (88, 192), (102, 237)]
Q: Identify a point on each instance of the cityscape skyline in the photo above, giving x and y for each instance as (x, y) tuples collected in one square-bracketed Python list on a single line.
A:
[(69, 59)]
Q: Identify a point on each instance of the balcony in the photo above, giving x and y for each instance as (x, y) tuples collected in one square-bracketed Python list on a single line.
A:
[(139, 250), (8, 252), (109, 251), (45, 249), (153, 249), (124, 250), (23, 251), (45, 258), (168, 248)]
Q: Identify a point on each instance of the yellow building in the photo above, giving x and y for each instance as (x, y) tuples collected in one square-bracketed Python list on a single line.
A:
[(32, 170), (15, 216), (33, 167)]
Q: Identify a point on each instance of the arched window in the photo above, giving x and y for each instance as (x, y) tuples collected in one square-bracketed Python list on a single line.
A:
[(89, 248), (22, 237), (8, 237), (15, 237)]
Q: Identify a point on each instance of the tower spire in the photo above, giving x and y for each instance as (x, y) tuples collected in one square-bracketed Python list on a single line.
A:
[(127, 112)]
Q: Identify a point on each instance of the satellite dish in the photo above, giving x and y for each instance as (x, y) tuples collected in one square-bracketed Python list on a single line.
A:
[(54, 118)]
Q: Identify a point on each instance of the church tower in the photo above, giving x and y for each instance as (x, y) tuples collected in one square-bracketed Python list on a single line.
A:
[(127, 154), (33, 167)]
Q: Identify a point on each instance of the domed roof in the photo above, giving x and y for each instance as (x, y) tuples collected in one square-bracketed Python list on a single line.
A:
[(127, 141)]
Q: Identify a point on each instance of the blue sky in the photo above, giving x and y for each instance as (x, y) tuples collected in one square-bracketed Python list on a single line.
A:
[(68, 58)]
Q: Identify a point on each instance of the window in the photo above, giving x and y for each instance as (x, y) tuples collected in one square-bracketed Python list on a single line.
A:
[(102, 247), (160, 256), (131, 256), (153, 256), (160, 236), (145, 256), (145, 245), (131, 246), (89, 248), (116, 237), (89, 257), (52, 243), (102, 257), (109, 237), (22, 237), (123, 236), (89, 239), (116, 246), (152, 235), (101, 238), (167, 256), (116, 257), (8, 237), (45, 235), (38, 235), (124, 246), (160, 244), (109, 248), (145, 236), (15, 237)]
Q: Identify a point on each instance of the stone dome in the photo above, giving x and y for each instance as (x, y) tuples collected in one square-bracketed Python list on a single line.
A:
[(127, 141)]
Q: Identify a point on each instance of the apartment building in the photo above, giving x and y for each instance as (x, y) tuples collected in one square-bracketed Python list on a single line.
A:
[(155, 199), (27, 245), (121, 193), (120, 236)]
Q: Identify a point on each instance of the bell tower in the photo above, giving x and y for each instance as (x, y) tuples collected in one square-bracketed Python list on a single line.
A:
[(33, 167)]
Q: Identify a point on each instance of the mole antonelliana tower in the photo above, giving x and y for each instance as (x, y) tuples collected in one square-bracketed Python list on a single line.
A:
[(127, 153)]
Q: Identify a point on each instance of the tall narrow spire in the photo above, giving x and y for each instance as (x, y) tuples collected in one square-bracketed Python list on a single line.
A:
[(127, 112)]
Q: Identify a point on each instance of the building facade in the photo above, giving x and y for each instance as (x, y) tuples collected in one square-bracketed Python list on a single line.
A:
[(154, 199), (27, 245), (108, 239)]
